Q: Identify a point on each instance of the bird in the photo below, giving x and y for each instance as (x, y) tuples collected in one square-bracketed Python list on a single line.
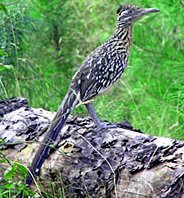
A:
[(97, 73)]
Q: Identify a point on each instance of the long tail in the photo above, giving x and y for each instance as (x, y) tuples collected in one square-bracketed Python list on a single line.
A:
[(69, 102)]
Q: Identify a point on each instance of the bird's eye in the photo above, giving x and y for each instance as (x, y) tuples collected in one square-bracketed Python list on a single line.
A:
[(124, 12)]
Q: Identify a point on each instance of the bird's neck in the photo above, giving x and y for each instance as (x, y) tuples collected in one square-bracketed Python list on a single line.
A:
[(123, 37)]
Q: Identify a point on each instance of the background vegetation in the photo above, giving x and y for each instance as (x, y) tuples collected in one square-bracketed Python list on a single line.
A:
[(43, 42)]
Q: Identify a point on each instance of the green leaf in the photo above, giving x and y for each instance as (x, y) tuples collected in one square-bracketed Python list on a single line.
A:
[(2, 7), (5, 67), (1, 68), (14, 168), (2, 161), (1, 141), (8, 174), (21, 168), (2, 53), (9, 185)]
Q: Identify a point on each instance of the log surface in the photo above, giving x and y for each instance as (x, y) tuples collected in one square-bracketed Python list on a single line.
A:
[(117, 162)]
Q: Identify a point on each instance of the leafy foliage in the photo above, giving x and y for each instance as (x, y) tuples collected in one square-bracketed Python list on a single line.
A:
[(3, 7), (13, 179)]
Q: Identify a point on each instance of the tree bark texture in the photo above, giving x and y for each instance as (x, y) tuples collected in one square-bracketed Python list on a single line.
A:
[(116, 162)]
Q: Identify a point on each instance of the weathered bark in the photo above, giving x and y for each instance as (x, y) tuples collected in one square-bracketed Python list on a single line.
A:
[(117, 162)]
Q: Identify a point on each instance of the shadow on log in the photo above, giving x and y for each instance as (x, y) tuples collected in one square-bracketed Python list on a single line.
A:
[(118, 162)]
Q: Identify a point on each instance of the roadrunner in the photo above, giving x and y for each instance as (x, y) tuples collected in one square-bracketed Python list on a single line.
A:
[(99, 71)]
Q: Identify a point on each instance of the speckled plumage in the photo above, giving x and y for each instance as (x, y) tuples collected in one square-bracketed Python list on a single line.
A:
[(101, 69)]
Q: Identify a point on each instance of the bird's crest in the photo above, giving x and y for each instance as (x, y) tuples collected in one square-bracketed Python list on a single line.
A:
[(125, 7)]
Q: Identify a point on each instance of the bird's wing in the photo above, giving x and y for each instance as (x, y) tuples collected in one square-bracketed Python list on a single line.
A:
[(97, 73)]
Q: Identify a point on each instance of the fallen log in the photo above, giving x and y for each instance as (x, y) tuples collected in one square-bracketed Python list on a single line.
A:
[(118, 162)]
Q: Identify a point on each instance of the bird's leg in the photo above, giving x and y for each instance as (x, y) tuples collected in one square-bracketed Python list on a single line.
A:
[(95, 118)]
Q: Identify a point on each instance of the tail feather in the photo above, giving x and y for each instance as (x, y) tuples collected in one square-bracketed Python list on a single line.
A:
[(69, 102)]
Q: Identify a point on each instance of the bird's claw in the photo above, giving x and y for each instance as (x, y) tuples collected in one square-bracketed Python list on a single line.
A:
[(104, 127)]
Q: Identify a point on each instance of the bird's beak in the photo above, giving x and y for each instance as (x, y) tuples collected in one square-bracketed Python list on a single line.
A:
[(148, 10), (143, 12)]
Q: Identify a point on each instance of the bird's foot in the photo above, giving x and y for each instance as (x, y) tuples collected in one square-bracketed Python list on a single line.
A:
[(105, 126)]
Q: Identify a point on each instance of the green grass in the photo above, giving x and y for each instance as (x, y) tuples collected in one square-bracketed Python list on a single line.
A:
[(151, 92)]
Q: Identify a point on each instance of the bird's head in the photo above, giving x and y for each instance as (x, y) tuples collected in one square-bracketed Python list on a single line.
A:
[(128, 14)]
